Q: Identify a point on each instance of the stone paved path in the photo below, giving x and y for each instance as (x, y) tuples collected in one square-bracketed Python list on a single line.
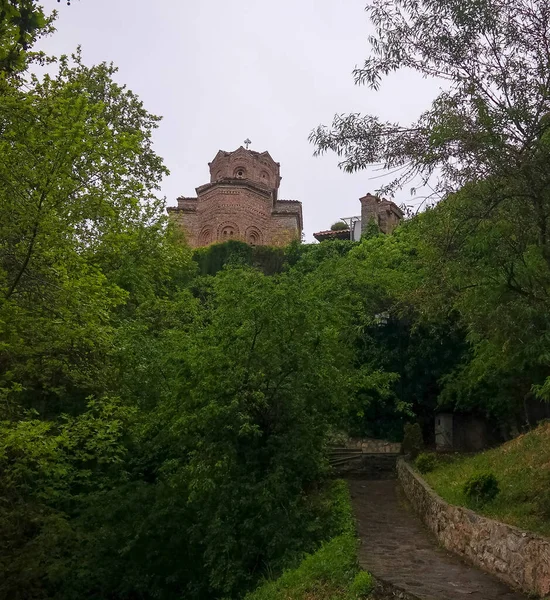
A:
[(396, 548)]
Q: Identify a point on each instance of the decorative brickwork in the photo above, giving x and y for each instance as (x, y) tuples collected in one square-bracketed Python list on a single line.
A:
[(240, 202)]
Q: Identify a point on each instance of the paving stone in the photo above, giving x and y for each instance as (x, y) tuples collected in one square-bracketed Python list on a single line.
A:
[(396, 548)]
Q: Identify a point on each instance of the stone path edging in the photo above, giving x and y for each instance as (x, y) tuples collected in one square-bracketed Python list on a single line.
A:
[(405, 558), (519, 558)]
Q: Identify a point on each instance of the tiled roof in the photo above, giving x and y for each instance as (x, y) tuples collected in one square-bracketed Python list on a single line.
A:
[(298, 201), (331, 232)]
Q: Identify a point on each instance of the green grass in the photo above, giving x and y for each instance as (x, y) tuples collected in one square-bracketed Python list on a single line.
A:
[(332, 572), (522, 467)]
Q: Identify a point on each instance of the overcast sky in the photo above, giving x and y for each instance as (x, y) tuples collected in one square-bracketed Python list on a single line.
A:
[(219, 72)]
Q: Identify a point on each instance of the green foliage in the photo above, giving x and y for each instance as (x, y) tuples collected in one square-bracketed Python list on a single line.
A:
[(47, 467), (164, 413), (22, 22), (339, 226), (474, 128), (483, 253), (413, 442), (372, 229), (481, 488), (331, 573), (426, 462), (324, 575), (339, 515), (362, 585), (213, 258), (79, 241), (520, 467)]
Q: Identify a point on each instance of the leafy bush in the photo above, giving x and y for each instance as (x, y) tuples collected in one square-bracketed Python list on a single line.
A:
[(413, 443), (324, 575), (331, 573), (212, 259), (426, 462), (338, 515), (481, 488), (362, 585), (338, 226)]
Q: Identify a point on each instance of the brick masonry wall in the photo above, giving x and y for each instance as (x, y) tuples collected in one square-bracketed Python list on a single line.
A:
[(240, 202), (239, 210), (519, 558)]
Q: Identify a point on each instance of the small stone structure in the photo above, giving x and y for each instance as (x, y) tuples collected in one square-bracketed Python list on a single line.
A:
[(467, 433), (374, 446), (365, 458), (240, 202), (385, 214), (519, 558)]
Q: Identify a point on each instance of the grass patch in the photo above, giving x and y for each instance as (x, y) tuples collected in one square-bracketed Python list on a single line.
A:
[(332, 572), (522, 468)]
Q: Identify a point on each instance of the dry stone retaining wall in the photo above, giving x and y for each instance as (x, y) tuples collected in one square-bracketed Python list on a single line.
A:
[(517, 557)]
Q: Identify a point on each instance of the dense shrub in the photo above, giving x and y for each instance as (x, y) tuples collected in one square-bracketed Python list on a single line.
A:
[(331, 572), (413, 443), (362, 585), (214, 258), (339, 226), (481, 488), (426, 462)]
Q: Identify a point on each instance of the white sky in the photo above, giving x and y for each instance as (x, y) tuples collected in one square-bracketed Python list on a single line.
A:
[(219, 71)]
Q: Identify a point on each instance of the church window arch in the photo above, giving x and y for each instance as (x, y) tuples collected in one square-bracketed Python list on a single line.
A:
[(240, 173), (253, 236), (205, 237), (264, 176), (228, 231)]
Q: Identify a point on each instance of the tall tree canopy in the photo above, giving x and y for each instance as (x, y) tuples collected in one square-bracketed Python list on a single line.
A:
[(492, 58), (22, 22)]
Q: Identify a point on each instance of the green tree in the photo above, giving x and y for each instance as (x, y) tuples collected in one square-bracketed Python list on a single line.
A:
[(80, 227), (338, 226), (22, 22), (483, 147), (492, 58)]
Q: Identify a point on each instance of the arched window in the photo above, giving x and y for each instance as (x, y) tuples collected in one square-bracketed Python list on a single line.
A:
[(205, 237), (264, 176), (240, 173), (254, 236), (227, 231)]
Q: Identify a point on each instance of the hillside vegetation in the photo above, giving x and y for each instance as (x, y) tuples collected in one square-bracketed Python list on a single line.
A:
[(522, 467), (165, 412), (330, 573)]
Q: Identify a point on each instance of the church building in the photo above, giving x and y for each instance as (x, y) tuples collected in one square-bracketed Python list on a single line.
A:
[(240, 202)]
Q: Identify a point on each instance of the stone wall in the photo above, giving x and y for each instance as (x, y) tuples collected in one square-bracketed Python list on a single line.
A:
[(374, 446), (385, 213), (366, 466), (519, 558)]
